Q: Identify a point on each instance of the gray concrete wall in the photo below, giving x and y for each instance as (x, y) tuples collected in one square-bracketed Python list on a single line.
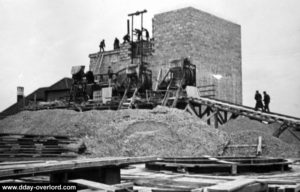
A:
[(212, 44)]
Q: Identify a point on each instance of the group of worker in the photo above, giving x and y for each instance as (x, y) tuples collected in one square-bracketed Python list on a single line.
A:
[(126, 38), (259, 101), (116, 43)]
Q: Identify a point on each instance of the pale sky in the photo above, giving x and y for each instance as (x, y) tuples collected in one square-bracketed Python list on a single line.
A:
[(41, 39)]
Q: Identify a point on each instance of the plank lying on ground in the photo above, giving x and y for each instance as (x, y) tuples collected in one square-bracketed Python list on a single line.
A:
[(170, 190), (237, 146), (218, 160), (92, 190), (72, 164), (229, 186), (96, 185)]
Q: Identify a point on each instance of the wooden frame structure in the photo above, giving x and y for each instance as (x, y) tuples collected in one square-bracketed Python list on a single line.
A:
[(208, 164), (218, 112)]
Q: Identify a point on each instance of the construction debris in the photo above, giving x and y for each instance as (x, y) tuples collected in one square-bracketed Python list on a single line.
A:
[(15, 147)]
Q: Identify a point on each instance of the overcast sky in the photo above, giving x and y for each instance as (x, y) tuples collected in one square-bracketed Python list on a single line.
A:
[(41, 39)]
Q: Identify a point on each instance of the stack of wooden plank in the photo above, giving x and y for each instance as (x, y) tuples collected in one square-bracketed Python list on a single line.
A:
[(23, 146)]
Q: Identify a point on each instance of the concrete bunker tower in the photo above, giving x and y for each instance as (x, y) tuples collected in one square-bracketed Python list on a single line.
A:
[(212, 44)]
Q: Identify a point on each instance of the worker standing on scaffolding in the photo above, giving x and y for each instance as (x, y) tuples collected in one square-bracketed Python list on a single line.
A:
[(258, 99), (147, 34), (126, 38), (266, 101), (138, 33), (116, 44), (110, 75), (102, 45)]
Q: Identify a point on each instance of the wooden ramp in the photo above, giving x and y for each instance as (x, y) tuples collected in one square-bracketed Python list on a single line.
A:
[(218, 112)]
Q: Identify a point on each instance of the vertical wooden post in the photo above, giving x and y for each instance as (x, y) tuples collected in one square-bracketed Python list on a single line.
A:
[(233, 169), (225, 117), (200, 111), (208, 113), (216, 123), (259, 146)]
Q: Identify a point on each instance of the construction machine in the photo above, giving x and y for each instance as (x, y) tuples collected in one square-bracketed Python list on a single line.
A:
[(180, 74)]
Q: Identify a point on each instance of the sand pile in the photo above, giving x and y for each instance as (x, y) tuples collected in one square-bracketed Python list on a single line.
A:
[(162, 131), (243, 131)]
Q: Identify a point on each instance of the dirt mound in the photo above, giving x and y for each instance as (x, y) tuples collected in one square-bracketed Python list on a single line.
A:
[(243, 131), (162, 131)]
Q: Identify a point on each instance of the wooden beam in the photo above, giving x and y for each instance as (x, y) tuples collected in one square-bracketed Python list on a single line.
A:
[(216, 123), (259, 146), (200, 110), (128, 186), (190, 109), (96, 185), (91, 190), (294, 134), (210, 115), (225, 116), (205, 112), (196, 109), (280, 130), (241, 146), (231, 185), (222, 120)]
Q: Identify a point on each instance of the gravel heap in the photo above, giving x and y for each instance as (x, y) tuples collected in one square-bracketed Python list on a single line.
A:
[(162, 131)]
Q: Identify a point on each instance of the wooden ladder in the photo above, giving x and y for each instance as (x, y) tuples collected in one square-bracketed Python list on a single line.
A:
[(124, 95), (99, 62), (133, 97), (178, 92), (166, 97)]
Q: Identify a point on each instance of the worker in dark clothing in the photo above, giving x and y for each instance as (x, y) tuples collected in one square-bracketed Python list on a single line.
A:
[(147, 34), (90, 77), (110, 75), (102, 45), (267, 100), (116, 44), (138, 33), (258, 99), (126, 38)]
